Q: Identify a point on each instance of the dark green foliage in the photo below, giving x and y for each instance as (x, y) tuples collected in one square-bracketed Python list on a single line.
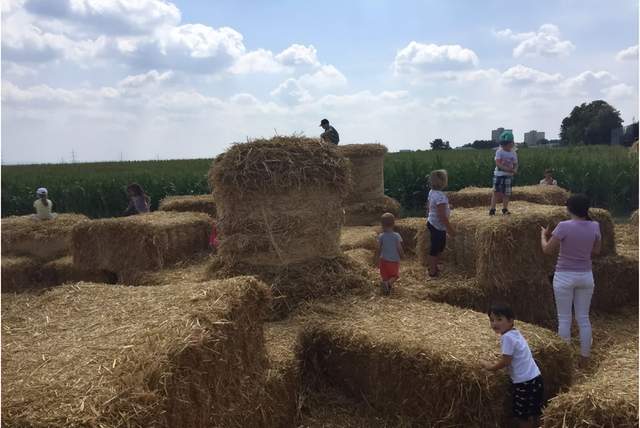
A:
[(590, 124), (438, 144)]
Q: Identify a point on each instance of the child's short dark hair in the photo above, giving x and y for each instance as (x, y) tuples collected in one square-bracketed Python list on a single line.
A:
[(501, 309), (548, 171), (578, 205), (387, 220)]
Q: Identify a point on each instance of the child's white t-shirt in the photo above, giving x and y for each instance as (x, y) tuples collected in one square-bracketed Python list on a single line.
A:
[(43, 211), (523, 367), (435, 198)]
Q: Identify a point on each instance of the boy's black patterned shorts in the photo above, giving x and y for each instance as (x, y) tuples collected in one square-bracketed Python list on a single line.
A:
[(528, 398), (502, 184)]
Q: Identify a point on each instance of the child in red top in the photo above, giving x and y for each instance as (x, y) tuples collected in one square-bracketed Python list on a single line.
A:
[(213, 238)]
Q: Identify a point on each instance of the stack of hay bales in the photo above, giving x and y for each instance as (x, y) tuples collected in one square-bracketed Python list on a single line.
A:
[(279, 205), (189, 203), (420, 361), (129, 246), (353, 237), (608, 398), (89, 355), (504, 254), (29, 244), (367, 202), (616, 280), (481, 197)]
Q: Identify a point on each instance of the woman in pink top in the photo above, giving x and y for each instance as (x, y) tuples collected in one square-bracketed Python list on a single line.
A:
[(578, 239)]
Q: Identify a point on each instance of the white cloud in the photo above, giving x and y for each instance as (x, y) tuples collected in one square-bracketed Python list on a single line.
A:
[(109, 17), (327, 77), (149, 78), (419, 58), (619, 91), (628, 54), (445, 102), (296, 55), (258, 61), (546, 42), (586, 82), (521, 75), (291, 92)]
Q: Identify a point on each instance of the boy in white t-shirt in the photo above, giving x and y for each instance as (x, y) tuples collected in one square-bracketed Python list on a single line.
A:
[(527, 385), (506, 167), (43, 205)]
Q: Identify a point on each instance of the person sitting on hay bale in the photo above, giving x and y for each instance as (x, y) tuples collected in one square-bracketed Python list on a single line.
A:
[(330, 135), (506, 167), (139, 202), (527, 385), (438, 212), (388, 253), (578, 239), (548, 178), (43, 206)]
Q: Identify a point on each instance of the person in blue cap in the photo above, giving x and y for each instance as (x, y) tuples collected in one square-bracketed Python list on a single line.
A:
[(330, 135), (506, 167)]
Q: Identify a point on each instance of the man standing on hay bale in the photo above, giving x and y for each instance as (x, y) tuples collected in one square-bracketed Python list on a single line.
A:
[(506, 168), (330, 135)]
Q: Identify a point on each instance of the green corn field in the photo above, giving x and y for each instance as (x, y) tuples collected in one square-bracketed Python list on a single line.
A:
[(609, 175)]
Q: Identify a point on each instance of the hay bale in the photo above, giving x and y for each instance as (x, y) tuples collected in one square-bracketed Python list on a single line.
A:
[(368, 213), (458, 291), (627, 240), (609, 398), (65, 271), (352, 237), (21, 274), (633, 219), (130, 245), (42, 239), (616, 283), (294, 284), (470, 197), (420, 360), (189, 203), (90, 355), (279, 200), (280, 404), (363, 256), (367, 169), (409, 229), (190, 271)]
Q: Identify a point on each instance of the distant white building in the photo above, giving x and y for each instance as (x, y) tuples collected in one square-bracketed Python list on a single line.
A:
[(495, 133), (531, 138)]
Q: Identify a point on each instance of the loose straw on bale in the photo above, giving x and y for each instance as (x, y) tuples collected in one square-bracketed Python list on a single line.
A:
[(369, 212), (106, 356), (294, 284), (130, 245), (409, 229), (352, 237), (609, 398), (189, 203), (481, 196), (367, 169), (43, 239), (420, 360), (627, 240), (279, 201)]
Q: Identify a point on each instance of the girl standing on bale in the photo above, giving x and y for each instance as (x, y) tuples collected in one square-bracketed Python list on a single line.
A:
[(138, 200), (43, 205), (578, 239), (438, 212)]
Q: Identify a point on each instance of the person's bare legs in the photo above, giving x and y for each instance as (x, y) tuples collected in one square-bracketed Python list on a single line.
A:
[(432, 265), (392, 281), (493, 200), (505, 202)]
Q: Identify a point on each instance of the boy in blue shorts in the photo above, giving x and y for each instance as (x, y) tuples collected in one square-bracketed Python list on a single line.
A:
[(506, 167)]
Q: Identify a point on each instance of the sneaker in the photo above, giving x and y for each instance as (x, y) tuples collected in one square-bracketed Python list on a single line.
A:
[(505, 212), (492, 211), (384, 288)]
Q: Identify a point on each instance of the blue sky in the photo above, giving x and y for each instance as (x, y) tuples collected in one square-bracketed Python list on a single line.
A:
[(146, 79)]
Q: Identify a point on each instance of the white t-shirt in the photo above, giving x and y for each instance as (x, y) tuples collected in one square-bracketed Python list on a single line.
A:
[(553, 183), (509, 159), (43, 212), (435, 198), (522, 368)]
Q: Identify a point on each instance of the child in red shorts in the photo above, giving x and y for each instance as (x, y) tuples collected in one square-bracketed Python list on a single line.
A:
[(388, 253)]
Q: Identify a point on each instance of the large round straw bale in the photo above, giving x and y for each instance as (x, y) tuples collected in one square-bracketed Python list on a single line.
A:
[(279, 200), (481, 196), (608, 398), (130, 245), (42, 239), (398, 357), (191, 203), (368, 213), (367, 169), (92, 355)]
